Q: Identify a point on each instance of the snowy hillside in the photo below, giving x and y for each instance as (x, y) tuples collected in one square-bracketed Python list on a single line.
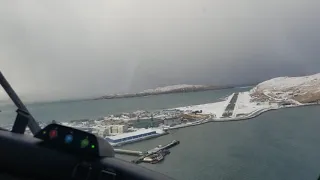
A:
[(181, 88), (305, 89), (172, 88)]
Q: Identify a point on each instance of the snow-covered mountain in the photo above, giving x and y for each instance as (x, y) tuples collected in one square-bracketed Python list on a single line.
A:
[(165, 90), (173, 88), (304, 89)]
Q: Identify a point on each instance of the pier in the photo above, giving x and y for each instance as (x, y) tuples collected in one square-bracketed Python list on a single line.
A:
[(163, 150), (129, 152), (159, 148), (156, 150)]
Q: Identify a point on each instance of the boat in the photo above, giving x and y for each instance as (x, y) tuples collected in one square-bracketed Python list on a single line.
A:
[(165, 152), (158, 158), (154, 158)]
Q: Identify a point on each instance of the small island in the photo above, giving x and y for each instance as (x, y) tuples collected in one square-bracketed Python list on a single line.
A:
[(180, 88)]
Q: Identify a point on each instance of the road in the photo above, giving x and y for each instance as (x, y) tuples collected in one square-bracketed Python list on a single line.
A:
[(230, 107)]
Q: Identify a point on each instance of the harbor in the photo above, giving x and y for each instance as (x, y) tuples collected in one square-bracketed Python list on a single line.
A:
[(152, 156), (125, 128)]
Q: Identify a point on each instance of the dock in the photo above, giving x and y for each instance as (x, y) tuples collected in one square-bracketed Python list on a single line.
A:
[(159, 148), (142, 155), (129, 152), (156, 150)]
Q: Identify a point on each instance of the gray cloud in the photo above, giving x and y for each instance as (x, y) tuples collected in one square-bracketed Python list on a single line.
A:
[(70, 49)]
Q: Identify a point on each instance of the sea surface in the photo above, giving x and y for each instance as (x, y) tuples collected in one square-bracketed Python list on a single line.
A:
[(278, 145), (91, 109), (282, 144)]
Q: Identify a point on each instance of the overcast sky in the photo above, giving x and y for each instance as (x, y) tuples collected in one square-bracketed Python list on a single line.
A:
[(70, 49)]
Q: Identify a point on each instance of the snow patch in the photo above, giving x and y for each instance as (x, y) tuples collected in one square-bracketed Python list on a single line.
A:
[(216, 108), (289, 88), (245, 105), (171, 88)]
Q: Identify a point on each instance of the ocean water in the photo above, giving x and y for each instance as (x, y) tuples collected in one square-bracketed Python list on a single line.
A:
[(282, 144), (72, 110), (278, 145)]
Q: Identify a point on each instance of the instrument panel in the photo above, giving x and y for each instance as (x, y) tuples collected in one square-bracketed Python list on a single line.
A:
[(69, 139)]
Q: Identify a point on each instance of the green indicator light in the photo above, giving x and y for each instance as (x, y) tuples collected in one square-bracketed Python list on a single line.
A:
[(44, 132), (84, 143), (92, 146)]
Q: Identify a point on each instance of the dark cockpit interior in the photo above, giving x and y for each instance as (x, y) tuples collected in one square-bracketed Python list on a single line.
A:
[(59, 152)]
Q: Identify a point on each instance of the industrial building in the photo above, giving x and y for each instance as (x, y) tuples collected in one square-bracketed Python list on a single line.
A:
[(134, 136)]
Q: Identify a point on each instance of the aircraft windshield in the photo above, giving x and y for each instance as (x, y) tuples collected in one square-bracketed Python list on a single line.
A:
[(194, 89)]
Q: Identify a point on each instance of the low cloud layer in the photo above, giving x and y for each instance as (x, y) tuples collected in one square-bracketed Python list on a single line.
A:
[(71, 49)]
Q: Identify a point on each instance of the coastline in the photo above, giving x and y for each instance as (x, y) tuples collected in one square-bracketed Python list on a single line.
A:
[(243, 118), (187, 90), (236, 107), (252, 115)]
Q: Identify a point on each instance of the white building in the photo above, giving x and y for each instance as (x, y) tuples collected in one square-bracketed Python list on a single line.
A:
[(104, 131), (117, 129), (101, 131)]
